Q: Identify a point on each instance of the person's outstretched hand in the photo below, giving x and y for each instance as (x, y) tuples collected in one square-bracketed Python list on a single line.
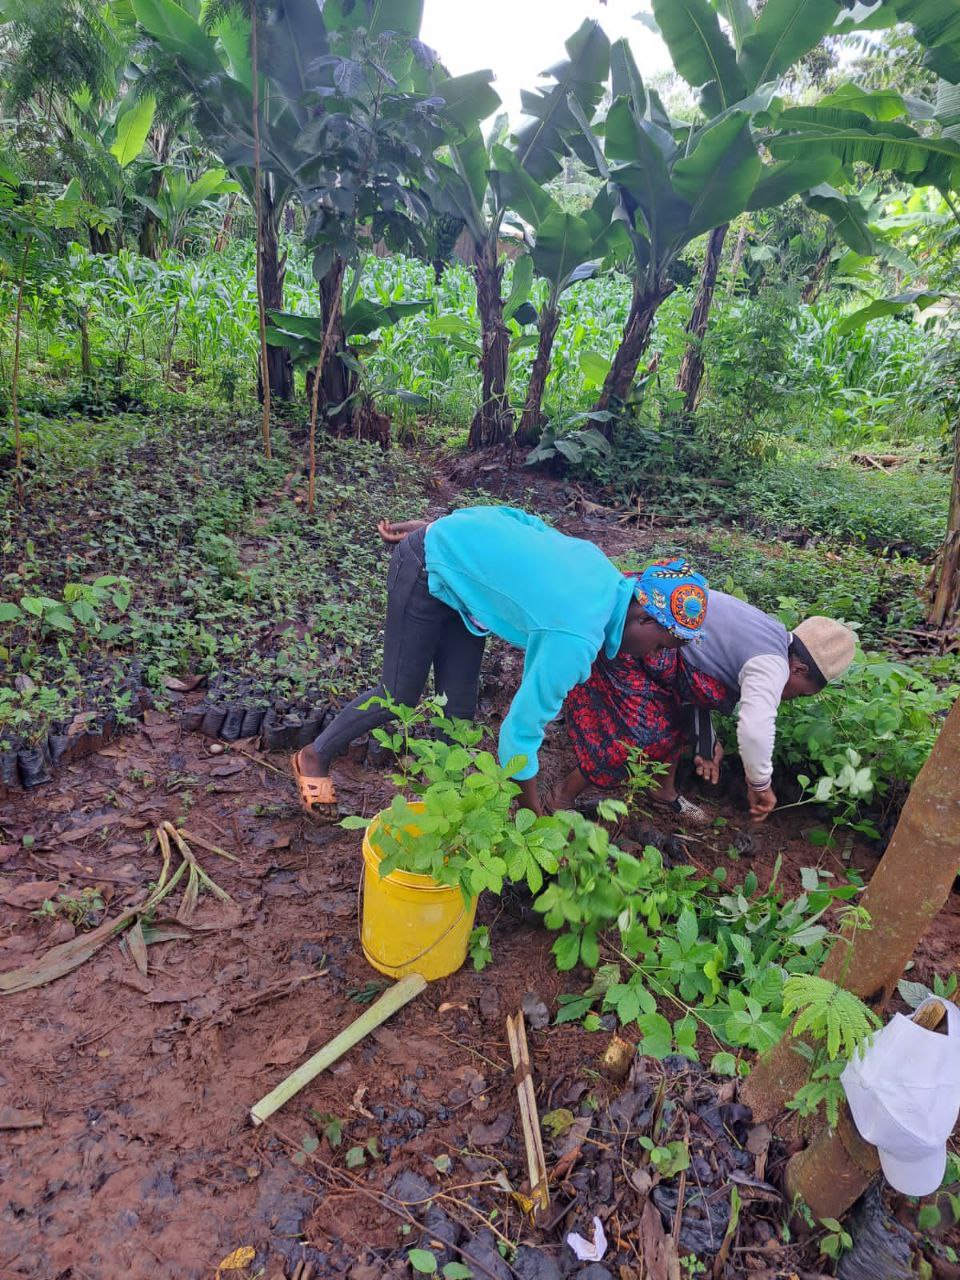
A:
[(393, 532), (709, 770), (762, 803)]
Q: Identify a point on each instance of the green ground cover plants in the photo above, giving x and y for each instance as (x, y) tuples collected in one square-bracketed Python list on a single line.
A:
[(278, 599)]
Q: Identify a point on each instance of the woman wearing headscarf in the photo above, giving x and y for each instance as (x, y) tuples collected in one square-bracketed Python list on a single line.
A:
[(499, 571), (747, 660)]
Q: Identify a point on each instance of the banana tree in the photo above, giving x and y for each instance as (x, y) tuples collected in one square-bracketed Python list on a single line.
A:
[(670, 184), (304, 336), (215, 69), (728, 73), (564, 249), (104, 146), (362, 162), (464, 189), (179, 199)]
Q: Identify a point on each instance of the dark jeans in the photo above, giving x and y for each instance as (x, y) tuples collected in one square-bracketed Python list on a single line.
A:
[(421, 633)]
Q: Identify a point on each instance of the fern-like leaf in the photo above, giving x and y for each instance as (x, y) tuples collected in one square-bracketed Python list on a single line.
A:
[(828, 1013)]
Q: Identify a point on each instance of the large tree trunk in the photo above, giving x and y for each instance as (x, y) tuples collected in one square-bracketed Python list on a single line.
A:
[(911, 884), (815, 281), (691, 366), (531, 422), (944, 584), (635, 340), (273, 270), (337, 383), (493, 422)]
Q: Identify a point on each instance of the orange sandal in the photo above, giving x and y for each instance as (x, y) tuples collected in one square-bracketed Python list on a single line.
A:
[(317, 795)]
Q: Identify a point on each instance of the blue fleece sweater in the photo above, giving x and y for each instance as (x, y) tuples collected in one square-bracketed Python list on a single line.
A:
[(558, 598)]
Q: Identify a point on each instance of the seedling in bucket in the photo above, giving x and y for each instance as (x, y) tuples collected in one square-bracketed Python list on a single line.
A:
[(428, 858)]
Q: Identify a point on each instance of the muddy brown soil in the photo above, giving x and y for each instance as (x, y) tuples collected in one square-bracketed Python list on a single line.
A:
[(143, 1163)]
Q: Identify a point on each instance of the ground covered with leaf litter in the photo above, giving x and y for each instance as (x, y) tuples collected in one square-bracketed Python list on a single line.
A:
[(126, 1145)]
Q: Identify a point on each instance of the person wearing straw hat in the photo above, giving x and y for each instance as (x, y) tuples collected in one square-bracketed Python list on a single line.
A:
[(652, 701), (762, 664), (500, 571)]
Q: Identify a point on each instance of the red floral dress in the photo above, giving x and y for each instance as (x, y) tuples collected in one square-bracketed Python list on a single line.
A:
[(637, 702)]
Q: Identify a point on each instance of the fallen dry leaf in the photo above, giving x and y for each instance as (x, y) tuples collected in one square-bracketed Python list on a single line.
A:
[(203, 1007), (79, 723), (228, 769), (30, 895), (657, 1249), (184, 686), (572, 1146), (286, 1049), (472, 1080), (758, 1139), (239, 1260), (90, 828), (492, 1134), (172, 995), (135, 824), (357, 1103)]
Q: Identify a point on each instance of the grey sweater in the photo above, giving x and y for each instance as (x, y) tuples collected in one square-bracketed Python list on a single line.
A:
[(746, 649)]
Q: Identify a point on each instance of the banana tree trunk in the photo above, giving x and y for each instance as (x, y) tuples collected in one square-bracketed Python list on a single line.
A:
[(149, 227), (811, 290), (86, 360), (944, 584), (100, 241), (633, 344), (148, 241), (223, 235), (337, 383), (690, 377), (273, 270), (739, 249), (531, 422), (493, 422)]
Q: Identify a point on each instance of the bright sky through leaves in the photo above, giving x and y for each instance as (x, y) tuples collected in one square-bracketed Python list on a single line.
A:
[(519, 39)]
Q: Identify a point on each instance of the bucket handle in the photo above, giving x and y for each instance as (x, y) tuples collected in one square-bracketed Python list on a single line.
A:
[(413, 959)]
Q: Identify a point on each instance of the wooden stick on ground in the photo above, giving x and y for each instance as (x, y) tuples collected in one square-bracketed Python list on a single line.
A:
[(527, 1099), (389, 1003)]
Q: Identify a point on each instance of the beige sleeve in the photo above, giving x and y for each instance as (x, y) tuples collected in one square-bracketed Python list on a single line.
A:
[(761, 687)]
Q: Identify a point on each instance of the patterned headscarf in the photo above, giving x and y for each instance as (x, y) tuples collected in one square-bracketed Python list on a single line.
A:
[(676, 597)]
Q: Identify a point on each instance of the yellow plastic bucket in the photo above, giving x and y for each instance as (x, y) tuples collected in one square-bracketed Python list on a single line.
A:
[(410, 923)]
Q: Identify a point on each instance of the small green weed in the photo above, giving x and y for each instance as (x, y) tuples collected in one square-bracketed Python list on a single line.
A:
[(83, 910)]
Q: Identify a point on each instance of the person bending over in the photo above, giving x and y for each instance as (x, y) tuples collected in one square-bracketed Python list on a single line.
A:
[(748, 657), (500, 571), (762, 664), (650, 703)]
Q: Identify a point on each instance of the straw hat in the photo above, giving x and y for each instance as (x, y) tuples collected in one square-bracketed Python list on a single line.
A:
[(830, 644)]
